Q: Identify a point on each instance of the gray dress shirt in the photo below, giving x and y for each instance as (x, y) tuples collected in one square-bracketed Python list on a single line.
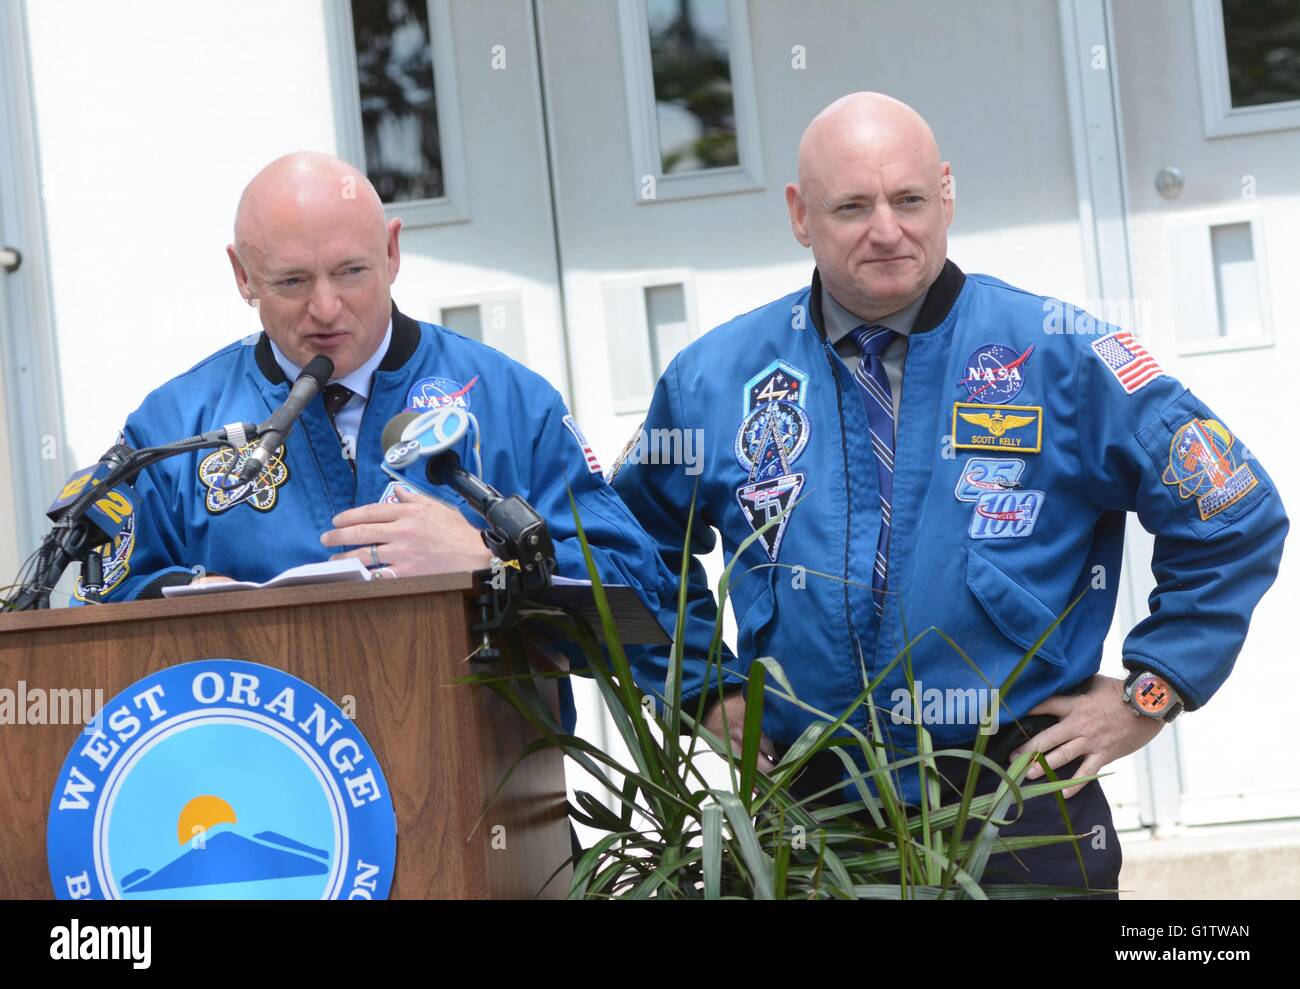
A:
[(840, 323)]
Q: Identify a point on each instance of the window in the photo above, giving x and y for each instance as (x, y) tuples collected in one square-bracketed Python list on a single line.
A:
[(495, 318), (1217, 262), (394, 74), (649, 317), (1236, 281), (1262, 38), (690, 58), (689, 82), (399, 117), (1249, 54), (667, 324), (465, 320)]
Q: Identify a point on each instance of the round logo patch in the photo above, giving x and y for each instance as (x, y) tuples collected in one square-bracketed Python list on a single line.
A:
[(995, 373), (216, 471), (1200, 457), (771, 439), (221, 779), (436, 393)]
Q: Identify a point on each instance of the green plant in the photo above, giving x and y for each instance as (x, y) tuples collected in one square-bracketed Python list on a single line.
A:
[(675, 834)]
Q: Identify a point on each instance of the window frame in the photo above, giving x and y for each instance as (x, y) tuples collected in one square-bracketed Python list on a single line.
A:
[(453, 205), (625, 326), (1220, 117), (512, 299), (643, 119), (1194, 231)]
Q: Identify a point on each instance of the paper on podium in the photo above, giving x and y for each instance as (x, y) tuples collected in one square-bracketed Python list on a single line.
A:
[(329, 572)]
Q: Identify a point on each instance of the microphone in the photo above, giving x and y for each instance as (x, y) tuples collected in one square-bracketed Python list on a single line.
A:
[(107, 514), (273, 432), (410, 436), (515, 530)]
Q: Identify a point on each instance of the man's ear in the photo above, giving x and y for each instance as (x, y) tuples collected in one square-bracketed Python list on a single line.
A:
[(394, 248), (241, 276), (798, 214)]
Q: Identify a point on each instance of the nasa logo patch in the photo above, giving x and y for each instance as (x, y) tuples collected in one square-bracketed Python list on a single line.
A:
[(435, 393), (221, 779), (771, 439), (984, 474), (995, 373), (1006, 514), (764, 501)]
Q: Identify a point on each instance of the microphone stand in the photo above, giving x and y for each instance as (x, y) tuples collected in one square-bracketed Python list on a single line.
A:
[(72, 538), (515, 532)]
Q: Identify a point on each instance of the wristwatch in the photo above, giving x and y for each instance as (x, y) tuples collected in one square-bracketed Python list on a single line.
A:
[(1151, 696)]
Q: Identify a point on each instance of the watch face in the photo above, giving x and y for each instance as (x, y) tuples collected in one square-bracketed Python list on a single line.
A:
[(1152, 694)]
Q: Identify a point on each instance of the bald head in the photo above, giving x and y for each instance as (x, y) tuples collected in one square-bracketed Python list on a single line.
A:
[(306, 188), (315, 253), (864, 120), (873, 202)]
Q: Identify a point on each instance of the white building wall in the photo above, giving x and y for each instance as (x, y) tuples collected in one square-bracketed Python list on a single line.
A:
[(152, 116)]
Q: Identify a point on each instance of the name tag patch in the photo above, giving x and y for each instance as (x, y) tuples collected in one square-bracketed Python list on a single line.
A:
[(1001, 427)]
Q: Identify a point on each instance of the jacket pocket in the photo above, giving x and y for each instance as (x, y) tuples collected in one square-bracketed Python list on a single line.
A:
[(1013, 608)]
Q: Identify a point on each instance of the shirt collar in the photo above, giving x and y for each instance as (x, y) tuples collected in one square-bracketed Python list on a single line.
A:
[(840, 322), (358, 382)]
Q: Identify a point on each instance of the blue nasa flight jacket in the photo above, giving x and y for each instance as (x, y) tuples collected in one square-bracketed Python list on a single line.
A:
[(530, 447), (1026, 431)]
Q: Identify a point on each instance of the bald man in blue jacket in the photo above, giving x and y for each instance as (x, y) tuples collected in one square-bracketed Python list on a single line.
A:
[(314, 254), (920, 448)]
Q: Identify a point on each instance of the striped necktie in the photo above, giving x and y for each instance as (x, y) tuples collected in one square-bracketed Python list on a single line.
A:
[(337, 396), (874, 385)]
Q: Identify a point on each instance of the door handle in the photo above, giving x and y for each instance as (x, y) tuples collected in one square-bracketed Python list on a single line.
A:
[(10, 259)]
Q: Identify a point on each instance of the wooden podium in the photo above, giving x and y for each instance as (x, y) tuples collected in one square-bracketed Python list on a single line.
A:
[(396, 646)]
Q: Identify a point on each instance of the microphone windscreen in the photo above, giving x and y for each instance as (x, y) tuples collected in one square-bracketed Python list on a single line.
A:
[(393, 431), (319, 367)]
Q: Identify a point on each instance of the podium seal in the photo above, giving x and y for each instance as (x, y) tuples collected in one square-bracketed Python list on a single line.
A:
[(221, 779)]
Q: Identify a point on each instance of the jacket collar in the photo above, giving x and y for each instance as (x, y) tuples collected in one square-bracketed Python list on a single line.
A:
[(406, 337), (938, 302)]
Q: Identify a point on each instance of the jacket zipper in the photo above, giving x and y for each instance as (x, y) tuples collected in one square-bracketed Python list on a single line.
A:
[(889, 536)]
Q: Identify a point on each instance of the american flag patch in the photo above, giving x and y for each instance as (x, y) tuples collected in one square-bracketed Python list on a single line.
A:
[(1128, 360), (593, 465)]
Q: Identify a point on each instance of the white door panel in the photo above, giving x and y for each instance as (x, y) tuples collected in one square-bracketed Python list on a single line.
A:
[(1193, 276)]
